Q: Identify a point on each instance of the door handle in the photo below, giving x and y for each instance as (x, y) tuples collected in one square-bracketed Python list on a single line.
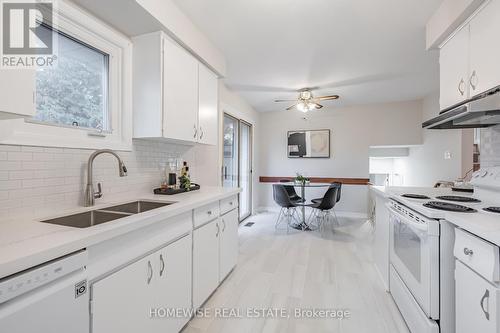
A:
[(224, 227), (473, 80), (150, 272), (162, 265), (485, 296), (461, 87), (201, 133), (195, 131), (218, 230)]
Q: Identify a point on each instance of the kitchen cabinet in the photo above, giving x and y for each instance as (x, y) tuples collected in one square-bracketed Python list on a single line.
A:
[(484, 53), (205, 261), (17, 89), (476, 302), (122, 302), (381, 239), (454, 69), (175, 96), (228, 243), (208, 106), (468, 60), (215, 253)]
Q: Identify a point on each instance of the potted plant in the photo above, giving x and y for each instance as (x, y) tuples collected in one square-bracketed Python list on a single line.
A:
[(300, 179)]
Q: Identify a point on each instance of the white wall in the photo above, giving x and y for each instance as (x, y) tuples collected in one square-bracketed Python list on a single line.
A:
[(426, 163), (354, 130)]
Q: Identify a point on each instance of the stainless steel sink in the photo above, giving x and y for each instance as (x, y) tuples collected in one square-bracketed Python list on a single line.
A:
[(103, 215), (87, 219), (137, 206)]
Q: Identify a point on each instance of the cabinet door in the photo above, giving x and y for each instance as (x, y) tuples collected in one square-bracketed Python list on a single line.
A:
[(476, 302), (484, 50), (228, 243), (454, 65), (173, 284), (180, 93), (208, 106), (122, 301), (205, 262), (17, 88)]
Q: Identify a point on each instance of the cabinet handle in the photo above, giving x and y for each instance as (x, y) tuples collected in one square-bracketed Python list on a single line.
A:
[(473, 83), (218, 230), (209, 212), (150, 272), (468, 252), (201, 133), (224, 227), (485, 296), (461, 87), (162, 265), (195, 131)]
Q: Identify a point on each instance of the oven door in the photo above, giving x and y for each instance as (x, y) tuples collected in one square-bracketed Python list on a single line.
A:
[(414, 254)]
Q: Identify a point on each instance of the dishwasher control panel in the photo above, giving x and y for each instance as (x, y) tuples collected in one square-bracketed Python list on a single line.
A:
[(40, 275)]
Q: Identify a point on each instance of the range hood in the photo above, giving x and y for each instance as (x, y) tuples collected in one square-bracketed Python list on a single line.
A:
[(480, 111)]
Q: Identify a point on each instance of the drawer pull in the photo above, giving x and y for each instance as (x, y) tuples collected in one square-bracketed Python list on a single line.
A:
[(230, 203), (485, 296), (468, 252), (218, 230), (150, 272), (162, 267), (209, 212), (224, 227)]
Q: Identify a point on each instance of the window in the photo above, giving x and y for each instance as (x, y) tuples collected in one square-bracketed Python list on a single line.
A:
[(75, 91)]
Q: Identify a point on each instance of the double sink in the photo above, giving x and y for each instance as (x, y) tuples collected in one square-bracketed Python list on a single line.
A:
[(99, 216)]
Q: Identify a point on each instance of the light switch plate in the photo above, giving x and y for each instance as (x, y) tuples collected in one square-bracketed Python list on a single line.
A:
[(447, 155)]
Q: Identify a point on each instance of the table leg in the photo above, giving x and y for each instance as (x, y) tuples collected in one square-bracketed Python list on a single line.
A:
[(303, 193)]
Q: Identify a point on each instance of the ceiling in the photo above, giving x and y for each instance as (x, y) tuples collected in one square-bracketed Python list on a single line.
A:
[(364, 50)]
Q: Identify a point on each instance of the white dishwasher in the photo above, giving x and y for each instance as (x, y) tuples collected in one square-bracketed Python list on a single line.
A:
[(49, 298)]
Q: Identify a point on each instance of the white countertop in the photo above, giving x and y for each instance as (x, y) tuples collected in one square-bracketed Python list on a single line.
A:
[(483, 224), (25, 243)]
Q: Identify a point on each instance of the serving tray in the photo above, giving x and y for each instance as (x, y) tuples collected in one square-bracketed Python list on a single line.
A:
[(171, 191)]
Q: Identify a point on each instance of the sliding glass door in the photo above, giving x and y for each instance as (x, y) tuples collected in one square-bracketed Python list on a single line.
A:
[(245, 170), (237, 161)]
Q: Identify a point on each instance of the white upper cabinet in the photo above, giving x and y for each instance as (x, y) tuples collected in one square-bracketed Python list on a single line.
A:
[(175, 96), (485, 49), (208, 106), (454, 65), (180, 93), (17, 93), (469, 60)]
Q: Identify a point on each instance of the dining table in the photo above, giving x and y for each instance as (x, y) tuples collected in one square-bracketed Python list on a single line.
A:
[(303, 225)]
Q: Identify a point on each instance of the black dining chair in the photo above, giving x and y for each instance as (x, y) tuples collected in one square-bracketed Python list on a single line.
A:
[(288, 207), (339, 194), (290, 189), (323, 208)]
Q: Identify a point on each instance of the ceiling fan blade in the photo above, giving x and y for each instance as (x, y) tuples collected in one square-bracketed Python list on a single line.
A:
[(291, 107), (284, 100), (318, 106), (327, 98)]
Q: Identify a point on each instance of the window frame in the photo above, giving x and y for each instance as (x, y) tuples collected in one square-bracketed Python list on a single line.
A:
[(81, 26)]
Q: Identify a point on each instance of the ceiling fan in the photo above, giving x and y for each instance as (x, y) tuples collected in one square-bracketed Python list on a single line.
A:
[(307, 102)]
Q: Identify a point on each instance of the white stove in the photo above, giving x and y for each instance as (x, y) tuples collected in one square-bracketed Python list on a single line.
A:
[(421, 246)]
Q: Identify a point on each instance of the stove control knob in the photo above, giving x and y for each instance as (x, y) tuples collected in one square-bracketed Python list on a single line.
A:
[(484, 173)]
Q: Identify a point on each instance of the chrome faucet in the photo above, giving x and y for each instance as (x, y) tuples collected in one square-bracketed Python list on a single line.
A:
[(90, 195)]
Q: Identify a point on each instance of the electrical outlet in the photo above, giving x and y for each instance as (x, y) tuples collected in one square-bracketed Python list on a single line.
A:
[(447, 155)]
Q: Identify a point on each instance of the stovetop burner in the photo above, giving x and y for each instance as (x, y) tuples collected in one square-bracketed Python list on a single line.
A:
[(449, 207), (492, 209), (457, 198), (415, 196)]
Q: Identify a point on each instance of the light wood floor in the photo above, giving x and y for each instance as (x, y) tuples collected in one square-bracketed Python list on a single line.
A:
[(303, 270)]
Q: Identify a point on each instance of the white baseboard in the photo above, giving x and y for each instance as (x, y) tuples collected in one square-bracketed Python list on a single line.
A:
[(276, 209)]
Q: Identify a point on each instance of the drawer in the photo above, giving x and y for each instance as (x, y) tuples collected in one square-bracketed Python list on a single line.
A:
[(206, 214), (478, 254), (228, 204)]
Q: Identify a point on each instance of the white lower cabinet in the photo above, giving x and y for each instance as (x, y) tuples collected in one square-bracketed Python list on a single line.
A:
[(476, 302), (228, 248), (123, 301), (215, 253), (205, 261)]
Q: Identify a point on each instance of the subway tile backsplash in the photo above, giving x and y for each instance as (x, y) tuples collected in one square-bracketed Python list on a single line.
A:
[(38, 181), (490, 146)]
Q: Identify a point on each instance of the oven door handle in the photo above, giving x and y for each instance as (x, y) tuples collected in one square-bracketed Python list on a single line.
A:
[(408, 221)]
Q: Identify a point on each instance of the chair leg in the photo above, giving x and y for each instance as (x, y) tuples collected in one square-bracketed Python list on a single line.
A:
[(336, 218), (278, 220)]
